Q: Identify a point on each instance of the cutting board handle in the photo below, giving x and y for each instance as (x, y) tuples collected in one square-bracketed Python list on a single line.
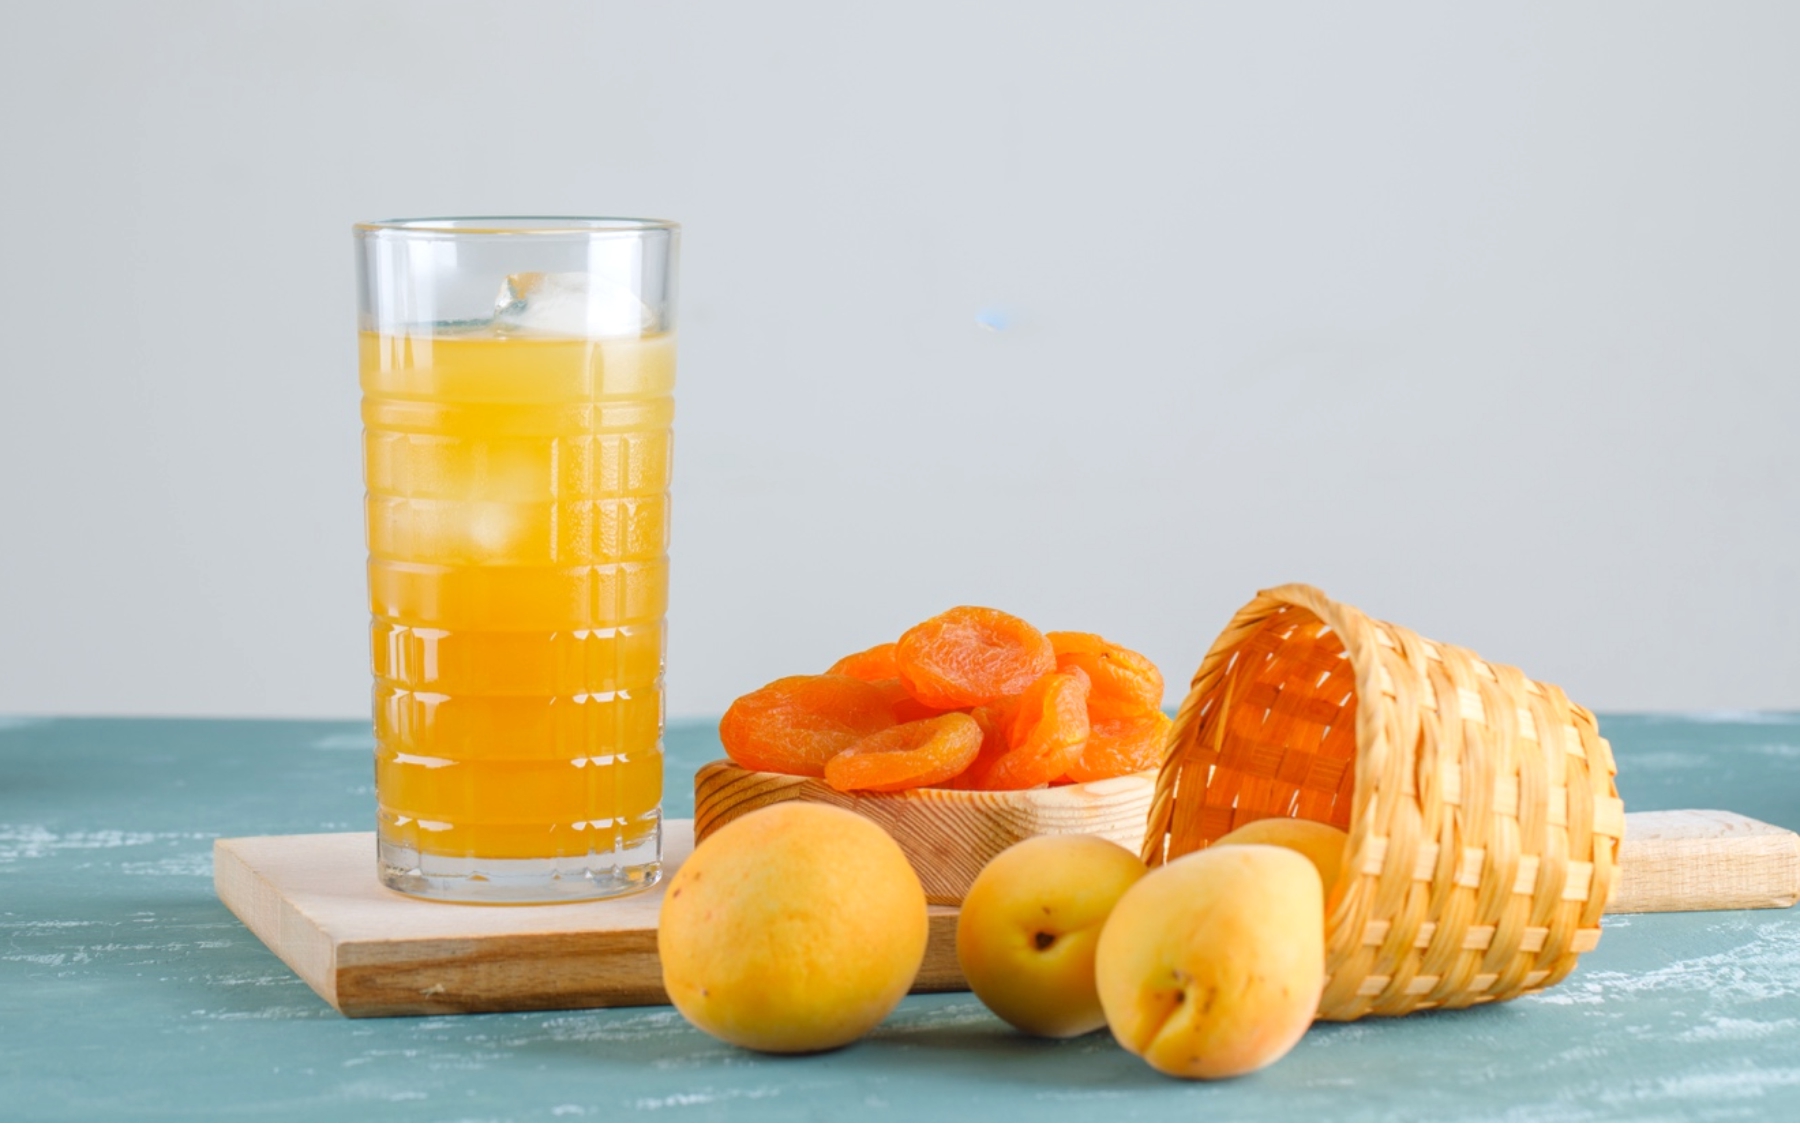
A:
[(1692, 859)]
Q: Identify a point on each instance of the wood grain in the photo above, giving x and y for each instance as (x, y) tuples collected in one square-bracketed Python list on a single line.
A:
[(315, 901), (948, 835), (1671, 862)]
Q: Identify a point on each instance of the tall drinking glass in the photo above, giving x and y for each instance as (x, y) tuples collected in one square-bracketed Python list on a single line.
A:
[(517, 379)]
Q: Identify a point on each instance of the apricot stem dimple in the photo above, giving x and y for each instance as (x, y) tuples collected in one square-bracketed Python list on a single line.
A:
[(1160, 1023), (1211, 965), (1044, 940)]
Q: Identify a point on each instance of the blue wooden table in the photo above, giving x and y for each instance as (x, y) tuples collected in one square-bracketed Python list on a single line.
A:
[(128, 991)]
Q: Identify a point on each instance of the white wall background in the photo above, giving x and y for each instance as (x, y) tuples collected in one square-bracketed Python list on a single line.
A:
[(1484, 318)]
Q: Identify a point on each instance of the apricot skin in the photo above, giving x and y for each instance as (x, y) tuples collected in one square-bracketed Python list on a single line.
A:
[(1029, 924), (1320, 842), (1212, 965), (794, 929)]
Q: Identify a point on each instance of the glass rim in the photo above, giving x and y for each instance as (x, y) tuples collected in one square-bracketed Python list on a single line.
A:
[(513, 226)]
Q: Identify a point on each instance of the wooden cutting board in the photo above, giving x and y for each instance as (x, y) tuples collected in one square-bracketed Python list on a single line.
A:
[(315, 901)]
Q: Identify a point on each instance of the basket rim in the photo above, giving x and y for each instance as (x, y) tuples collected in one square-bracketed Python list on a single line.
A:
[(1437, 771), (1355, 630)]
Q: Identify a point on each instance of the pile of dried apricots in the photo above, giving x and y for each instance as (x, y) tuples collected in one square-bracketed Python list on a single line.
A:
[(973, 698)]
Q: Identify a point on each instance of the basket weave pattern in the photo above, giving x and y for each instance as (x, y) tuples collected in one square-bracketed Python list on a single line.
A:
[(1482, 815)]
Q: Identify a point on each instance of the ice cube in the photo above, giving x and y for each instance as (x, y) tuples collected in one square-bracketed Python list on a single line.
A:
[(570, 304), (492, 528)]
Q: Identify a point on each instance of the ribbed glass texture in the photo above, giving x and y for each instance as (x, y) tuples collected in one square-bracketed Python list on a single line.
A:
[(517, 379)]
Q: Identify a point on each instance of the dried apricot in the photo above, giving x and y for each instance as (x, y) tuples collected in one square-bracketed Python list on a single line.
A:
[(795, 725), (1117, 746), (1125, 683), (970, 656), (871, 664), (1047, 734), (909, 709), (912, 755), (894, 692), (996, 722), (900, 700)]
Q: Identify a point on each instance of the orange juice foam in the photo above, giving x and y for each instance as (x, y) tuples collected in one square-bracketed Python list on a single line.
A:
[(518, 526)]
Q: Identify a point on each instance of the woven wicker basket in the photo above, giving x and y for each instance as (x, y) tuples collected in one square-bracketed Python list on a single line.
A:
[(1483, 819)]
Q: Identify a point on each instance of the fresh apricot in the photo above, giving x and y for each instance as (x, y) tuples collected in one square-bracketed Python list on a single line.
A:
[(1321, 843), (795, 928), (1026, 935), (1212, 965)]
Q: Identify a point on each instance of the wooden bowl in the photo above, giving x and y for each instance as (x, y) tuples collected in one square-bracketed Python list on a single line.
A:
[(948, 834)]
